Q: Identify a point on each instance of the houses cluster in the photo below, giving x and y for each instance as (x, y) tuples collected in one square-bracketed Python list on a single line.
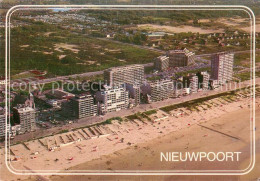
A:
[(80, 21), (58, 18), (159, 40)]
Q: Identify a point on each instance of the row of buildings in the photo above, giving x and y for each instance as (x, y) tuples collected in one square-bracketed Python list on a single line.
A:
[(221, 63), (126, 86), (23, 117)]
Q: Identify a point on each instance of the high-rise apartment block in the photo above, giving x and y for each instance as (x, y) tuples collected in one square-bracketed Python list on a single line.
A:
[(205, 80), (2, 125), (134, 93), (159, 90), (26, 117), (222, 67), (82, 106), (161, 63), (194, 81), (131, 74), (113, 99), (180, 58)]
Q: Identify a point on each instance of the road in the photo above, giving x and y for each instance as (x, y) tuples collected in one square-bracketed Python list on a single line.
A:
[(236, 52), (141, 108), (88, 74), (257, 69), (62, 78), (134, 45)]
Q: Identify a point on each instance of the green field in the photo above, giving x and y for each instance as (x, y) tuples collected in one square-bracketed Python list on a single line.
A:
[(60, 52)]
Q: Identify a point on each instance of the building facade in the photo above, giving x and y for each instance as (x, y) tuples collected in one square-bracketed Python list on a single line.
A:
[(131, 74), (194, 83), (82, 106), (161, 63), (159, 90), (134, 93), (180, 58), (222, 67), (2, 125), (113, 99), (26, 117), (205, 81)]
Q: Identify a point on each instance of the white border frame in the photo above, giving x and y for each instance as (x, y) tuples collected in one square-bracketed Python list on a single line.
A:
[(133, 7)]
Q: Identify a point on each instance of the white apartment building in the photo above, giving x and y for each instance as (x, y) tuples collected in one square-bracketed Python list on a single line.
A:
[(194, 83), (159, 90), (131, 74), (2, 125), (205, 82), (113, 99)]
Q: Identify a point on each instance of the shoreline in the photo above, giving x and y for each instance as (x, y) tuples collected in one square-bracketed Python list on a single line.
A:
[(132, 135)]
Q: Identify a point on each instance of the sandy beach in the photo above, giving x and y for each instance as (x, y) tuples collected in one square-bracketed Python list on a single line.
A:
[(137, 145), (145, 156)]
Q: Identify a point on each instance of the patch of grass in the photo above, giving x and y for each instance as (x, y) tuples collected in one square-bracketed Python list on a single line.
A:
[(150, 112), (148, 70), (109, 121), (244, 76), (63, 131), (23, 75), (192, 71), (132, 117), (242, 59), (154, 78)]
